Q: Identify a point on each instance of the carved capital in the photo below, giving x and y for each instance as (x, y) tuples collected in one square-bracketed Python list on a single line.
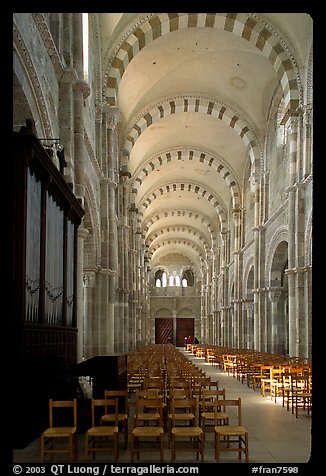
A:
[(83, 87), (292, 123), (69, 76), (89, 279), (112, 115)]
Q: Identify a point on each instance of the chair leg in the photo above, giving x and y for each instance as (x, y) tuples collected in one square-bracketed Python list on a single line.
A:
[(132, 447), (42, 448), (217, 448), (86, 448), (161, 448), (172, 448), (71, 448), (116, 447), (126, 434)]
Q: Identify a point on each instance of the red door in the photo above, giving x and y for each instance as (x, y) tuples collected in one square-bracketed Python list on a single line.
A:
[(185, 328), (163, 330)]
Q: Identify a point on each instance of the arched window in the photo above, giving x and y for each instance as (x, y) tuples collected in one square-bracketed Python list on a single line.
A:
[(188, 275)]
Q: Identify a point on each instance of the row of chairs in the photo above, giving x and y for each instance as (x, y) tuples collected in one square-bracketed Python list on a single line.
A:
[(277, 376), (194, 405), (169, 402)]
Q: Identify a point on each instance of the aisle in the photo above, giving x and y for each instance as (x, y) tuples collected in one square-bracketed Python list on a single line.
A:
[(275, 435)]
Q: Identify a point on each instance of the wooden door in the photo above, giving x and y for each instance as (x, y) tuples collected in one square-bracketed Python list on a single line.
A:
[(185, 327), (163, 330)]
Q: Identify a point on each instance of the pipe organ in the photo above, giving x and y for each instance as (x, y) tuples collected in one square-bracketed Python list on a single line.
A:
[(46, 215)]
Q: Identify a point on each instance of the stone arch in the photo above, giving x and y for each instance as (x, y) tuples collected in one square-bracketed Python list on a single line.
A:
[(190, 230), (248, 308), (156, 216), (278, 324), (204, 105), (163, 312), (279, 236), (198, 189), (248, 278), (248, 26), (189, 155), (188, 274), (26, 75), (185, 311), (176, 241)]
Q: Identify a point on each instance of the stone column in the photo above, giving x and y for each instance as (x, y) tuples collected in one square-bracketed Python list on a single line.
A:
[(308, 298), (132, 277), (307, 141), (89, 330), (81, 236), (113, 118), (248, 324), (257, 291), (138, 237), (80, 91), (125, 256), (256, 265), (292, 126), (274, 294)]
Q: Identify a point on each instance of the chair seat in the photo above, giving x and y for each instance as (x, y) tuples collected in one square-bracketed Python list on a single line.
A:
[(187, 431), (230, 430), (102, 430), (60, 431), (147, 431)]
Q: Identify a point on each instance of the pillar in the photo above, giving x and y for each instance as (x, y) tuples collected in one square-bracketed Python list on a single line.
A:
[(89, 327), (292, 128), (81, 236)]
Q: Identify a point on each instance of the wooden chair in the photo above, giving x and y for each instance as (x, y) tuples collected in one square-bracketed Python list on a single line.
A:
[(123, 415), (148, 427), (184, 417), (231, 437), (276, 383), (210, 411), (287, 386), (301, 394), (95, 435), (61, 432)]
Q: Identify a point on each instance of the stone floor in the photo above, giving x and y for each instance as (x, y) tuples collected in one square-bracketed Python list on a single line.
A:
[(275, 435)]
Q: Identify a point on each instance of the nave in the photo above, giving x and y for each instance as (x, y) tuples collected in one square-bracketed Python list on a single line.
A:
[(275, 434)]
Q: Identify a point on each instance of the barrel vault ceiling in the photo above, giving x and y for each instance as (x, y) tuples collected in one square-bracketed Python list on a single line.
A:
[(194, 93)]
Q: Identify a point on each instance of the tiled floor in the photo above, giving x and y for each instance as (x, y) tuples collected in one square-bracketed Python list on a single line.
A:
[(275, 435)]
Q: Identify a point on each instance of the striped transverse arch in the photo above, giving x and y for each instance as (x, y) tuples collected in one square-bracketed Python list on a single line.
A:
[(197, 189), (194, 155), (177, 241), (163, 232), (156, 216), (214, 108), (245, 25)]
